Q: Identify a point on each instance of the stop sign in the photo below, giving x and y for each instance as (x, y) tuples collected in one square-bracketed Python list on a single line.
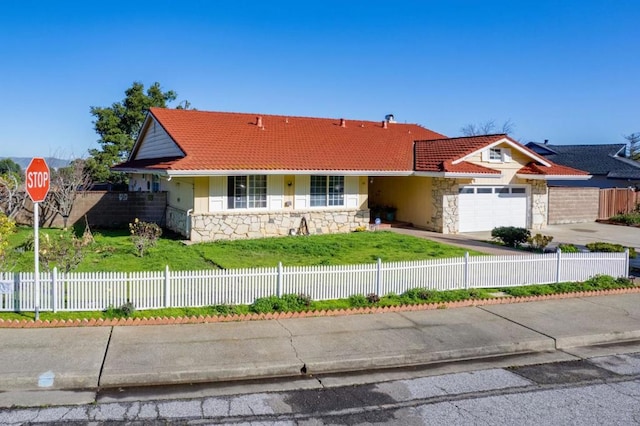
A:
[(37, 179)]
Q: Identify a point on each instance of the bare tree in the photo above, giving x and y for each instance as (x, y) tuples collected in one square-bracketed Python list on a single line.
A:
[(486, 128), (634, 145), (12, 194), (66, 184)]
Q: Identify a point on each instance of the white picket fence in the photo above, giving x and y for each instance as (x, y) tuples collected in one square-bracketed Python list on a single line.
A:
[(164, 289)]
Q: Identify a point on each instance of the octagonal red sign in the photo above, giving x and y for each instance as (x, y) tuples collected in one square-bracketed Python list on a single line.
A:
[(37, 179)]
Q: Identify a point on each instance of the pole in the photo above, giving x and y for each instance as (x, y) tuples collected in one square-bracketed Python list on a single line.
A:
[(36, 256)]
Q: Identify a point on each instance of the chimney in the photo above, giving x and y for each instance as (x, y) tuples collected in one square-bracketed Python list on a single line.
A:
[(343, 122), (259, 121), (389, 118), (384, 124), (546, 141)]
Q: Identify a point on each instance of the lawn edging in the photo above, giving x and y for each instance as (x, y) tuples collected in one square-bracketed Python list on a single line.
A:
[(305, 314)]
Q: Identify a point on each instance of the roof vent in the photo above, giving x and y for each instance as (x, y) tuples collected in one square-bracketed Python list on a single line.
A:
[(343, 122), (384, 124), (546, 141), (259, 121), (389, 118)]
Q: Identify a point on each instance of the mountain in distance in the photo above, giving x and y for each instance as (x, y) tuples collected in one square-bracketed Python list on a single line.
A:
[(54, 163)]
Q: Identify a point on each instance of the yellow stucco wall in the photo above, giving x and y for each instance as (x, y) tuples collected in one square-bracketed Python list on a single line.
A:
[(201, 195), (508, 170), (410, 194), (180, 193)]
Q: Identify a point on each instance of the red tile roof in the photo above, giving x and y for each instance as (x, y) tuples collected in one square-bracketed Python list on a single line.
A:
[(438, 155), (233, 141), (217, 141), (555, 170)]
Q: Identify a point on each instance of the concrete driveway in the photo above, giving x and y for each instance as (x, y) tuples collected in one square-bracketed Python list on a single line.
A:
[(580, 234)]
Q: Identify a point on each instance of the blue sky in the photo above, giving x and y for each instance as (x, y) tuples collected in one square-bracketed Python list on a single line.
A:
[(567, 71)]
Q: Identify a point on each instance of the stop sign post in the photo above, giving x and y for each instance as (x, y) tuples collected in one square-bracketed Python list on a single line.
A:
[(38, 178)]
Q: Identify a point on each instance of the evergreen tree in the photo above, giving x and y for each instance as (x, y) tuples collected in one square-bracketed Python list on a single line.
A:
[(118, 127)]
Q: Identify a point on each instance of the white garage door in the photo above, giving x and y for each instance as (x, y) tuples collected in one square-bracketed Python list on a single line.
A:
[(482, 208)]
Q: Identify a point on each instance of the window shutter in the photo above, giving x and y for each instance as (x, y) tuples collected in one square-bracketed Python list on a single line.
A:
[(275, 191), (506, 155), (485, 155), (351, 191), (301, 197), (217, 193)]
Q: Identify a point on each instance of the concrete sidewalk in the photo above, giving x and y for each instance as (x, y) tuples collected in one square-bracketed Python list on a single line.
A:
[(111, 357)]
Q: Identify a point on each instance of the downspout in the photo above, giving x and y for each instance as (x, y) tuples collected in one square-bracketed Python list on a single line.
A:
[(189, 223)]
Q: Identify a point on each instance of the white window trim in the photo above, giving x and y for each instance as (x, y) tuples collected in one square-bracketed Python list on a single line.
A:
[(246, 209)]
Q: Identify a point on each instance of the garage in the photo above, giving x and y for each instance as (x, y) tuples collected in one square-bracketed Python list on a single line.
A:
[(482, 208)]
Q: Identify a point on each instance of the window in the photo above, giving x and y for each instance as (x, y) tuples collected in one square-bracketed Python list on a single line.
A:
[(466, 191), (485, 190), (247, 192), (495, 154), (502, 190), (327, 191), (518, 190)]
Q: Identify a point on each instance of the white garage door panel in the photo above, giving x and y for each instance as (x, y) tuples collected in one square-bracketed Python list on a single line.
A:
[(481, 211)]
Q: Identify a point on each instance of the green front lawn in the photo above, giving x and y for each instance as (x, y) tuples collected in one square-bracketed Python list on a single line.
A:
[(113, 251)]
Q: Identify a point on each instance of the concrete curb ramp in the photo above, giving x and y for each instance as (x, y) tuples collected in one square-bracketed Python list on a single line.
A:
[(92, 357)]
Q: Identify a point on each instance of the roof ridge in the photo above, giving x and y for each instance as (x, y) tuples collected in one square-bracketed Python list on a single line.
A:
[(463, 137), (263, 115)]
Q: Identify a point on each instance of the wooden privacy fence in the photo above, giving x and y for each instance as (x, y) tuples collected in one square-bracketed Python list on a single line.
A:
[(165, 289), (617, 200)]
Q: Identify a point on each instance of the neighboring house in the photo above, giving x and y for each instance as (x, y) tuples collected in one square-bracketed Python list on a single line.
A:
[(232, 175), (608, 163)]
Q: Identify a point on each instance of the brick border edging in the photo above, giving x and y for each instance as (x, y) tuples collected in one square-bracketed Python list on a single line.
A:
[(283, 315)]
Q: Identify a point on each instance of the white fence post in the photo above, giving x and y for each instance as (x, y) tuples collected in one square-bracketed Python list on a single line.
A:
[(466, 270), (559, 260), (279, 282), (379, 277), (167, 290), (54, 289), (626, 261), (16, 292)]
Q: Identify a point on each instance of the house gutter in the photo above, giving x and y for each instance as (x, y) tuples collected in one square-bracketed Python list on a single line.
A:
[(199, 173), (553, 177), (450, 175)]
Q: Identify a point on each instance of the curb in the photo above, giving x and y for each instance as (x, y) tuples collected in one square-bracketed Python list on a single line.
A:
[(308, 314)]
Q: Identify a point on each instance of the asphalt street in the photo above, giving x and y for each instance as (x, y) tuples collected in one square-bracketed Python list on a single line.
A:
[(603, 390)]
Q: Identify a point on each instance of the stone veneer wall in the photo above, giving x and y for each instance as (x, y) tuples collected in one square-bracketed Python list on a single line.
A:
[(242, 225), (444, 196), (539, 203)]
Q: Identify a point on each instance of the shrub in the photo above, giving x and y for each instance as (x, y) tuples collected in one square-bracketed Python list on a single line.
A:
[(7, 227), (510, 235), (64, 251), (126, 310), (144, 235), (539, 241), (373, 298), (263, 305), (418, 294), (600, 246), (286, 303), (358, 301), (568, 248), (626, 218)]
